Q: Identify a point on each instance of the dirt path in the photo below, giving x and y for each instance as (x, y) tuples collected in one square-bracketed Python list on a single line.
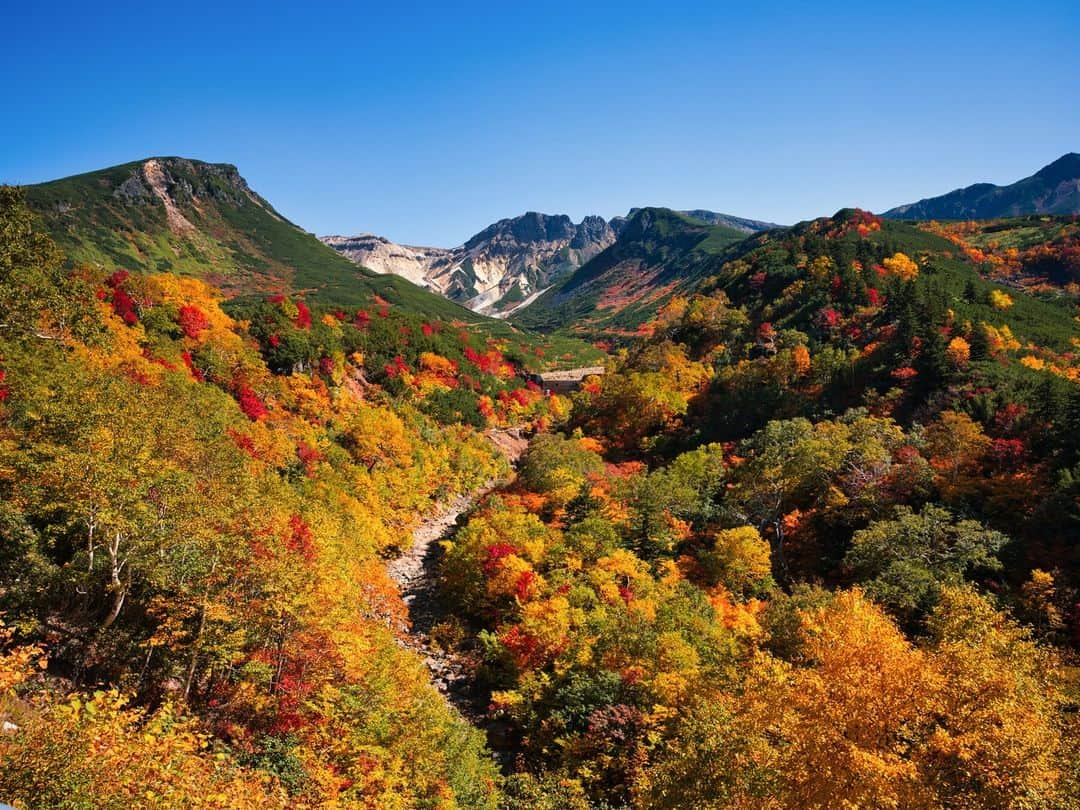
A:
[(416, 575)]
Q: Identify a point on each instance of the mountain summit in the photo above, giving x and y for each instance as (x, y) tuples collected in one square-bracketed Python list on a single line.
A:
[(510, 263), (173, 214), (495, 271), (1054, 189)]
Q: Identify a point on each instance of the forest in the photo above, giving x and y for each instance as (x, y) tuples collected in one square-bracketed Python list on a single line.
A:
[(809, 542)]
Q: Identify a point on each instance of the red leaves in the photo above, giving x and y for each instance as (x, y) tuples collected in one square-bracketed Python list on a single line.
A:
[(244, 442), (384, 306), (249, 402), (524, 584), (122, 303), (291, 688), (427, 329), (362, 319), (592, 387), (873, 297), (5, 391), (1008, 453), (862, 222), (116, 279), (193, 321), (197, 373), (828, 318), (161, 361), (523, 646), (299, 539), (303, 316), (903, 374), (490, 362), (1010, 417), (124, 307), (495, 553), (397, 367), (309, 457), (274, 340)]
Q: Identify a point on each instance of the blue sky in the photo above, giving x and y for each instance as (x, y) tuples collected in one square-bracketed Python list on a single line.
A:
[(426, 123)]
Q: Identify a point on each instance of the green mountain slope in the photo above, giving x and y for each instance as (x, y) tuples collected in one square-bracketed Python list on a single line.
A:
[(659, 253), (761, 280), (201, 219), (1054, 189)]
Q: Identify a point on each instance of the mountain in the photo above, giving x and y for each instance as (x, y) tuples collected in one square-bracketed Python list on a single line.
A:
[(1054, 189), (497, 269), (202, 219), (659, 252), (507, 265), (742, 224)]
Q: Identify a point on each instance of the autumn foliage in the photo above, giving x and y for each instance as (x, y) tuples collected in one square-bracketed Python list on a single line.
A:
[(809, 541)]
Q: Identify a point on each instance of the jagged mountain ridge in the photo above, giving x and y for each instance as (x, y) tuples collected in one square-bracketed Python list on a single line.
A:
[(495, 270), (510, 263), (659, 253), (1054, 189)]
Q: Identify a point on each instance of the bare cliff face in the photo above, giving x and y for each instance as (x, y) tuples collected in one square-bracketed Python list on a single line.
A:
[(497, 270), (506, 266), (383, 256)]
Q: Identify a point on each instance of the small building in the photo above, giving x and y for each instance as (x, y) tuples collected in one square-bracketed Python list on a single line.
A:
[(567, 380)]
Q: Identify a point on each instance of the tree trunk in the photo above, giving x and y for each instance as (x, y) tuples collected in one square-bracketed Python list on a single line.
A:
[(194, 653)]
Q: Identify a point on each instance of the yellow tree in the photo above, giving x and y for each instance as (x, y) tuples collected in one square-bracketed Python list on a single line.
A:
[(955, 443), (851, 710), (901, 266), (996, 700)]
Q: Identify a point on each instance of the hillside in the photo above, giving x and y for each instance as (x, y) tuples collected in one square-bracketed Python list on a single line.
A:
[(202, 219), (813, 502), (658, 254), (505, 267), (828, 488), (742, 224), (1054, 189), (1036, 253)]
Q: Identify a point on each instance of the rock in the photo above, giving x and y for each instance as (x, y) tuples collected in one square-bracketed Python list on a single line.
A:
[(525, 253)]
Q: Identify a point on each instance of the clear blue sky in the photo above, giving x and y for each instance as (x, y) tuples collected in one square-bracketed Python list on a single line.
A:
[(425, 123)]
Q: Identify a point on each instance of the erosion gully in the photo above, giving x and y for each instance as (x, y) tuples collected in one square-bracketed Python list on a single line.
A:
[(416, 575)]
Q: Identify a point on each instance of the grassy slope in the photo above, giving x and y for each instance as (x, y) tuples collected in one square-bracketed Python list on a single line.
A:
[(240, 243), (660, 253), (947, 273), (669, 248), (111, 219)]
